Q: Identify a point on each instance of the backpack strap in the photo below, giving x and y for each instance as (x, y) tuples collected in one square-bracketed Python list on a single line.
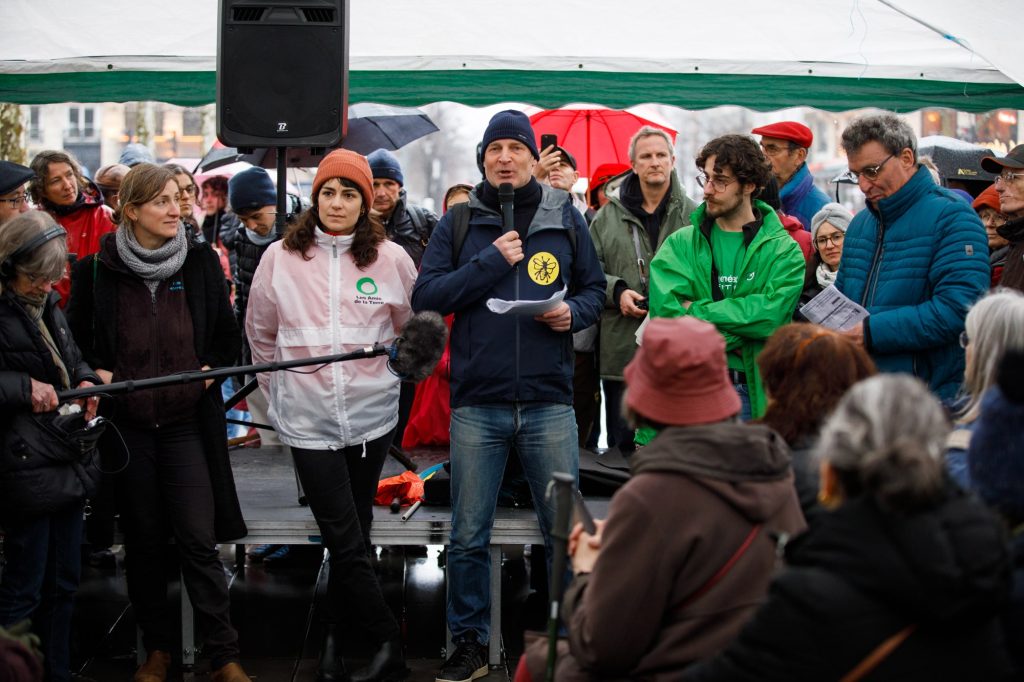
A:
[(419, 223), (460, 228)]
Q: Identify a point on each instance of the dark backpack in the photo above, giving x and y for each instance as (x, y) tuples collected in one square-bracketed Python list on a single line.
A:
[(419, 223)]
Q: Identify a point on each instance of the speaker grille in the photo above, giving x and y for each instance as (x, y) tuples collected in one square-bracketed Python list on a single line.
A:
[(247, 13), (318, 15), (282, 73)]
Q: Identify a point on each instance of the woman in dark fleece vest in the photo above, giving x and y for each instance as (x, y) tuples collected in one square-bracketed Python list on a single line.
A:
[(153, 302), (903, 578)]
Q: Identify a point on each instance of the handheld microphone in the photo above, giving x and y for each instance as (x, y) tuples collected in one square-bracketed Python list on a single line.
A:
[(506, 195), (418, 349)]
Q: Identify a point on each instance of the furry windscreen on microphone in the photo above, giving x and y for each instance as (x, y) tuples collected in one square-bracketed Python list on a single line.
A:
[(420, 346)]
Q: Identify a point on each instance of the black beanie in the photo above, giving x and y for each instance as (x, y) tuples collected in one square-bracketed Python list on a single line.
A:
[(384, 165), (511, 125), (252, 188)]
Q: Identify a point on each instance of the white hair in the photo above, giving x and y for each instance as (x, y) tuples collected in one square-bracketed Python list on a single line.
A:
[(886, 439), (994, 325)]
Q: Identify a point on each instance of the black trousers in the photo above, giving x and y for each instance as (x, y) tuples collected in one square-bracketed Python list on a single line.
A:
[(166, 490), (586, 395), (340, 486), (406, 396)]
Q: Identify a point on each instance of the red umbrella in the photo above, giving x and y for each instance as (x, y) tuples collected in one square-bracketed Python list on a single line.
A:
[(593, 136)]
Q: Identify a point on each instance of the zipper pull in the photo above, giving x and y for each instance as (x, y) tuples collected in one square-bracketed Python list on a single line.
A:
[(364, 450), (334, 246)]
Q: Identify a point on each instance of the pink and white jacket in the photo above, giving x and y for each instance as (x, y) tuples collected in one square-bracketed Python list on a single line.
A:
[(300, 309)]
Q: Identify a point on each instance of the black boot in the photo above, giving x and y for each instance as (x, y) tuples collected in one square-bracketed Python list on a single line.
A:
[(387, 664), (332, 666)]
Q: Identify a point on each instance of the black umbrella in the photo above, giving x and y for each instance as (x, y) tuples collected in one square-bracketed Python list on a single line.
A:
[(956, 159), (370, 126)]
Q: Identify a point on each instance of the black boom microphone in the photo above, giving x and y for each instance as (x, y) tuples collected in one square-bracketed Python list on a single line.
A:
[(506, 196), (413, 356)]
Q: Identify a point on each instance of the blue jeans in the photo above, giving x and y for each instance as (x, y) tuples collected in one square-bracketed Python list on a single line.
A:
[(40, 580), (544, 435), (744, 392)]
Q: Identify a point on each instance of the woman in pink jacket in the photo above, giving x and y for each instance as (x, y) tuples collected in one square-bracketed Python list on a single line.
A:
[(335, 284)]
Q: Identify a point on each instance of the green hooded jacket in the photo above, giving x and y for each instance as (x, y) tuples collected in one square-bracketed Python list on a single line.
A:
[(770, 280), (612, 232)]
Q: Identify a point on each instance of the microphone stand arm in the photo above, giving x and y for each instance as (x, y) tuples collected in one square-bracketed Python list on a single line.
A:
[(119, 387)]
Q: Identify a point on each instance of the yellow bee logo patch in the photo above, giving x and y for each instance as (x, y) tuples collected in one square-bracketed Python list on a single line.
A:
[(543, 268)]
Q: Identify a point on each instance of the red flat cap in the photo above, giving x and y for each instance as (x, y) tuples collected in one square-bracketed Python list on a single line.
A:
[(787, 130)]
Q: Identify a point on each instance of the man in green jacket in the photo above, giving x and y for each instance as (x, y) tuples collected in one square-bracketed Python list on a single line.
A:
[(645, 205), (735, 266)]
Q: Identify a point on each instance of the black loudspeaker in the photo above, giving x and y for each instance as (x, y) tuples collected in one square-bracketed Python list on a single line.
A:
[(282, 73)]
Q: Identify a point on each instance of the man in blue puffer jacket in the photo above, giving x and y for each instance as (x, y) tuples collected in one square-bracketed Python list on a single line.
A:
[(916, 257), (511, 375)]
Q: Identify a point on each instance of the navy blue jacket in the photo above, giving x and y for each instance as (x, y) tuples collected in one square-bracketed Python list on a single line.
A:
[(506, 358), (801, 198), (917, 263)]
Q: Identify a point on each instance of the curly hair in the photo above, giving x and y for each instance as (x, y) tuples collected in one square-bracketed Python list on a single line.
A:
[(742, 155), (369, 232), (806, 369), (41, 166)]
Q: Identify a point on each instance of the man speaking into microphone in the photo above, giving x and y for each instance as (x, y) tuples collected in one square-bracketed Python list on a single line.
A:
[(511, 374)]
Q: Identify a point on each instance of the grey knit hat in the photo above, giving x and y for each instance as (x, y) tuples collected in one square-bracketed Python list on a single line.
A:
[(834, 214)]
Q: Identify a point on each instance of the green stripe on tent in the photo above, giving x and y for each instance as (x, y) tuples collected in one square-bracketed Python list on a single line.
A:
[(548, 89)]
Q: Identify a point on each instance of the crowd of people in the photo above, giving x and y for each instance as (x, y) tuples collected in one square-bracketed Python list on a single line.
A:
[(805, 502)]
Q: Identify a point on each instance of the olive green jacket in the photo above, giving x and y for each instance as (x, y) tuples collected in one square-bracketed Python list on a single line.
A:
[(612, 232)]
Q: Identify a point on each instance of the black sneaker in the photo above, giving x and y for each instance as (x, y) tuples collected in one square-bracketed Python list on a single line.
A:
[(468, 663)]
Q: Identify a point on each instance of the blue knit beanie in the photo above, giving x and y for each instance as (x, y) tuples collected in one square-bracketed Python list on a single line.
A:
[(385, 166), (252, 188), (511, 125), (134, 154)]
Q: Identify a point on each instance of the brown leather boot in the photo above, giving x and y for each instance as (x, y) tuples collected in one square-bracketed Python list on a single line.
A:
[(155, 667), (231, 672)]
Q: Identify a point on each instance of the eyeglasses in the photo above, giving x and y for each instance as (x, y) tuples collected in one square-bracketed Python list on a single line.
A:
[(836, 239), (717, 184), (186, 192), (1006, 177), (964, 339), (40, 280), (871, 172), (775, 150), (17, 201)]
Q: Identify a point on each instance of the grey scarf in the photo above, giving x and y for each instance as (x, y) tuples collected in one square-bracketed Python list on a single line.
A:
[(152, 265)]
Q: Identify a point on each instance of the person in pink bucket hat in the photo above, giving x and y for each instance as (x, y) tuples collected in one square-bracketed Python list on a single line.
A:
[(690, 540)]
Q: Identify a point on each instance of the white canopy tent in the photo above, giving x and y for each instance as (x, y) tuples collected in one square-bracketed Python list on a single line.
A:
[(831, 54)]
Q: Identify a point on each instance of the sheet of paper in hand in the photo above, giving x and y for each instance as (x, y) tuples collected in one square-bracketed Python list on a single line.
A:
[(531, 308), (833, 310)]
